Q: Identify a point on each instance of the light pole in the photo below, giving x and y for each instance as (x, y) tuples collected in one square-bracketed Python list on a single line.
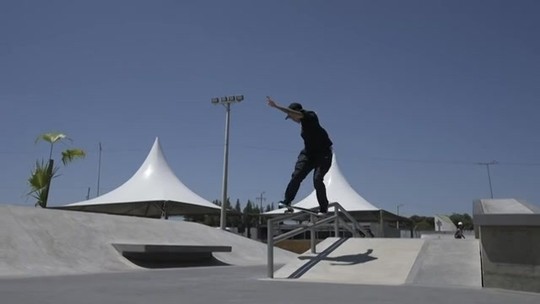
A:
[(493, 162), (226, 101), (399, 205)]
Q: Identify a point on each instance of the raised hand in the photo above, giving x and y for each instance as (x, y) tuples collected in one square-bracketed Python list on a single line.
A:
[(271, 102)]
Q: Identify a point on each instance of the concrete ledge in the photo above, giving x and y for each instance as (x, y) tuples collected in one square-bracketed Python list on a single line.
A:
[(505, 212), (168, 256), (509, 232), (507, 220)]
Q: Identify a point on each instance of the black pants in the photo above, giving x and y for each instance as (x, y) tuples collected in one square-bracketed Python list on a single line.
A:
[(320, 162)]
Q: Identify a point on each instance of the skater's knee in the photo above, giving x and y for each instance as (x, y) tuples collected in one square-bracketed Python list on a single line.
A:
[(298, 177), (318, 182)]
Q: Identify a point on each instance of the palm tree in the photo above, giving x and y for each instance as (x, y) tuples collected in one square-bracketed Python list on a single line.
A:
[(43, 173), (39, 182)]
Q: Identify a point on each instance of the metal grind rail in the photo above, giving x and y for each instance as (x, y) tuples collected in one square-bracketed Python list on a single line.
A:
[(340, 217)]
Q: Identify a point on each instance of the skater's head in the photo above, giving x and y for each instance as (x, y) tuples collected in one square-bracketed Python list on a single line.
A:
[(296, 107)]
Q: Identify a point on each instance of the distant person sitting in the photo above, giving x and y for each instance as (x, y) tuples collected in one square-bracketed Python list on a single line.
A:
[(459, 231)]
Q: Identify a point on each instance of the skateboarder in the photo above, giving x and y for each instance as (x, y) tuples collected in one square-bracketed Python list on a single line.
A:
[(459, 231), (316, 155)]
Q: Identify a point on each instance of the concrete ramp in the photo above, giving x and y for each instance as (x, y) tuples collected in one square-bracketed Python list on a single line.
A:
[(448, 262), (388, 262), (37, 241), (357, 261)]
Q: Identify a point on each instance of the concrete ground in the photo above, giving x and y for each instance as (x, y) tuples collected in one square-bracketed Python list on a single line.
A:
[(232, 284)]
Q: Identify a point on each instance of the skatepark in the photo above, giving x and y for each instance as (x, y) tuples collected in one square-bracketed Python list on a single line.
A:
[(430, 109), (118, 249), (56, 256), (37, 243)]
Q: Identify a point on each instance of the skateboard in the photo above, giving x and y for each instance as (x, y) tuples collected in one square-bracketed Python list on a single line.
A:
[(291, 208)]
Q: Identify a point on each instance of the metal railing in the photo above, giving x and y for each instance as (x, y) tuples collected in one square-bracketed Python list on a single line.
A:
[(340, 217)]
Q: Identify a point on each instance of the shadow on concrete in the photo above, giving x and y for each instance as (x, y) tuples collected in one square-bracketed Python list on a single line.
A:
[(171, 256), (345, 260), (170, 260)]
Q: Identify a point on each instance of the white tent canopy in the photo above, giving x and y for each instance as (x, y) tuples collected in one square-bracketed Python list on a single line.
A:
[(337, 190), (154, 190)]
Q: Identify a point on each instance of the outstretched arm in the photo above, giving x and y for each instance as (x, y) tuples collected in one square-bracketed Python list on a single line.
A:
[(291, 113)]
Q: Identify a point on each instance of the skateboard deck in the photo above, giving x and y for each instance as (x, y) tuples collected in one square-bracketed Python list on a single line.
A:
[(290, 209)]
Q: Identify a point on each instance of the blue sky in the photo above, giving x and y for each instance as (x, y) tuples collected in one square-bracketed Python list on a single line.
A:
[(413, 93)]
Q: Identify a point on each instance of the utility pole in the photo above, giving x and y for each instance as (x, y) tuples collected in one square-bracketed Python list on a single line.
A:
[(261, 198), (99, 169), (493, 162)]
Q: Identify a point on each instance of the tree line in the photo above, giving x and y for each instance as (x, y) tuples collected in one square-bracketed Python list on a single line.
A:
[(241, 219), (250, 216)]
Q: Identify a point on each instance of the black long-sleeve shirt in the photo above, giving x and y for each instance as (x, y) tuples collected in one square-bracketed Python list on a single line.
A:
[(316, 139)]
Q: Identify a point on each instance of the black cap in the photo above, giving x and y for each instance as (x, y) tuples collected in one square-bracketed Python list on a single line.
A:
[(294, 106)]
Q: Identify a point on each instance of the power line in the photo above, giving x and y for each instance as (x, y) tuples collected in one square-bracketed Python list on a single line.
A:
[(450, 162), (423, 161)]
